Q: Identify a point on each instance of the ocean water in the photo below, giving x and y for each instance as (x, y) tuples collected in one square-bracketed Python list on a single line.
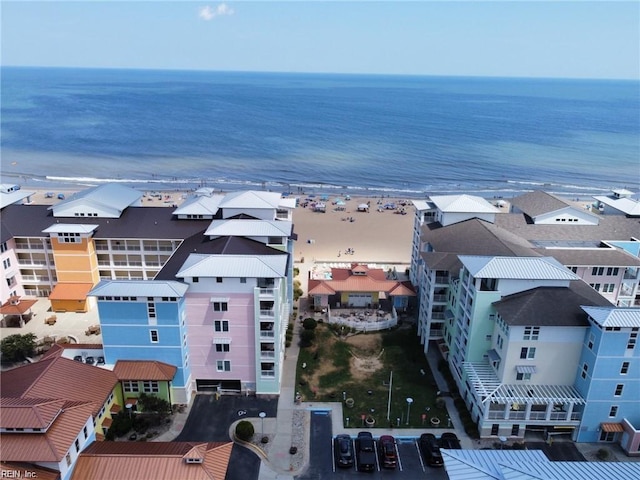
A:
[(358, 134)]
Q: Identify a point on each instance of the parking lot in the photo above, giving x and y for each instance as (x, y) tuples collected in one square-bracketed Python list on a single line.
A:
[(323, 461)]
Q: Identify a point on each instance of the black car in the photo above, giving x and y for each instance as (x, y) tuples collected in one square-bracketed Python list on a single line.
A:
[(365, 450), (450, 440), (387, 449), (430, 450), (343, 448)]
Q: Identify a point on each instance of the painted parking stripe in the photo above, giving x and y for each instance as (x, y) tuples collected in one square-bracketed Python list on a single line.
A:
[(398, 456), (420, 455)]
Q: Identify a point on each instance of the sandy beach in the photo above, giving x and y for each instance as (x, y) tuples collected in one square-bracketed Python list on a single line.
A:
[(374, 237)]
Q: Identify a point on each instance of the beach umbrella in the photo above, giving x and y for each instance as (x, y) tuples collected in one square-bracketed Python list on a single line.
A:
[(340, 202)]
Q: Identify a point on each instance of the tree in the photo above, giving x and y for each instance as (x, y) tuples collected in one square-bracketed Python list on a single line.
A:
[(306, 338), (309, 323), (18, 347), (151, 403)]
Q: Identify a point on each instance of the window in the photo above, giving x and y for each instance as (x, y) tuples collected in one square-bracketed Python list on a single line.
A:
[(619, 389), (625, 368), (220, 306), (613, 411), (218, 279), (500, 341), (607, 436), (151, 310), (243, 279), (84, 431), (608, 287), (585, 369), (633, 338), (612, 271), (597, 271), (68, 238), (531, 333), (528, 352), (221, 325), (515, 429), (130, 386), (68, 459), (573, 269), (592, 340), (150, 386), (77, 445), (195, 279), (222, 347), (6, 263), (154, 336), (223, 366), (3, 247), (595, 286), (523, 376)]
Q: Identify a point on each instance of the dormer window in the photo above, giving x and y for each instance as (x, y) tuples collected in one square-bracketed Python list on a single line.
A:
[(67, 237)]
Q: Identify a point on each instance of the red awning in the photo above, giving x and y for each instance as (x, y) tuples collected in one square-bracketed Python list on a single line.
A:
[(612, 427)]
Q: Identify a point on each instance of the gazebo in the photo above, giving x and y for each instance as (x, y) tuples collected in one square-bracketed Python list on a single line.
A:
[(16, 308)]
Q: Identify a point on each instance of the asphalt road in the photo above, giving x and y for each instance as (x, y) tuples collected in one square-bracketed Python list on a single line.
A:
[(559, 451), (209, 421)]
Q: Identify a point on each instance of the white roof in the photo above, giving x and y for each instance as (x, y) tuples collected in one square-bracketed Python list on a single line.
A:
[(614, 316), (249, 228), (251, 266), (622, 191), (251, 199), (200, 205), (287, 202), (107, 196), (70, 228), (463, 204), (628, 206), (485, 464), (9, 198), (422, 204), (528, 470), (517, 268), (529, 465), (139, 288)]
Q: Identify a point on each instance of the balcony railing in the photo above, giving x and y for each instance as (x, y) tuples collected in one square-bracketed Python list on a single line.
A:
[(267, 292), (267, 313), (442, 280), (267, 333), (267, 373), (535, 416), (267, 354)]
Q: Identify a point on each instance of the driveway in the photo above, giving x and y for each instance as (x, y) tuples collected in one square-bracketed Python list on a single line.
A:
[(209, 421), (559, 451)]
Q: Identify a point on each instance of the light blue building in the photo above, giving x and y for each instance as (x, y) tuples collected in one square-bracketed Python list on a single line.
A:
[(608, 378), (145, 320)]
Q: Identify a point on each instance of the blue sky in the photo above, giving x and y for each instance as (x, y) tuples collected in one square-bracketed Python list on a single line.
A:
[(504, 38)]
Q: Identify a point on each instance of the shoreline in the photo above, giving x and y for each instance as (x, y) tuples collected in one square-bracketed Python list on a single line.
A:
[(508, 189)]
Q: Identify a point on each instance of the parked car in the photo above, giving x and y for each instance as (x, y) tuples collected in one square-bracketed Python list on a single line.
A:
[(387, 449), (430, 450), (343, 448), (365, 451), (450, 440)]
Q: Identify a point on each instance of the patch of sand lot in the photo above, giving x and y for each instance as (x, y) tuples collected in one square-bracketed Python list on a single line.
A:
[(366, 358)]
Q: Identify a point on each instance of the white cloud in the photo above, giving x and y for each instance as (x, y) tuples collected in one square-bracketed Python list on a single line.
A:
[(209, 13)]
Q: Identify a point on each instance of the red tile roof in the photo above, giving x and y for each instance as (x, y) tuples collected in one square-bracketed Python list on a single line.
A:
[(39, 472), (144, 370), (29, 412), (62, 378), (358, 278), (153, 461), (50, 446), (70, 291)]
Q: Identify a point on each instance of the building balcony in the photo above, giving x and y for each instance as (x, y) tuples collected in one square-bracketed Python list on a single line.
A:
[(267, 354), (266, 292), (268, 313), (267, 334), (268, 373), (442, 280), (437, 315), (440, 298)]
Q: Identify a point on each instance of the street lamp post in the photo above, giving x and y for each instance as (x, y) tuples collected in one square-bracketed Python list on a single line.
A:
[(409, 402), (262, 415)]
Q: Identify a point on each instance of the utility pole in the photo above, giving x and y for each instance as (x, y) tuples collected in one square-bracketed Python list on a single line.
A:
[(389, 402)]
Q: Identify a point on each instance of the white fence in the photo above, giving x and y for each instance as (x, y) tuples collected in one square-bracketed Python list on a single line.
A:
[(365, 325)]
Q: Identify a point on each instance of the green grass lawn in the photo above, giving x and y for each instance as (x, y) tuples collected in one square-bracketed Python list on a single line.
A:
[(327, 374)]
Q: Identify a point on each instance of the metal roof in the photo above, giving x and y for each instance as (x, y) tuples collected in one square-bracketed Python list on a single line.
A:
[(520, 268), (485, 464), (249, 228), (142, 288), (70, 228), (422, 205), (251, 266), (13, 197), (534, 470), (614, 316), (463, 204), (628, 206), (251, 199), (200, 205), (108, 196)]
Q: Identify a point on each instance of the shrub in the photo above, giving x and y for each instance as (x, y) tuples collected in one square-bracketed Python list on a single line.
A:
[(307, 337), (244, 430), (18, 347), (309, 324), (602, 454), (151, 403), (120, 426), (296, 271)]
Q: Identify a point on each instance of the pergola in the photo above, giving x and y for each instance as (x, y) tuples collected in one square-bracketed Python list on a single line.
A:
[(15, 307)]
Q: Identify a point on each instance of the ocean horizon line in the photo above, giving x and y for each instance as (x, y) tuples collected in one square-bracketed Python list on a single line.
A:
[(330, 74)]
